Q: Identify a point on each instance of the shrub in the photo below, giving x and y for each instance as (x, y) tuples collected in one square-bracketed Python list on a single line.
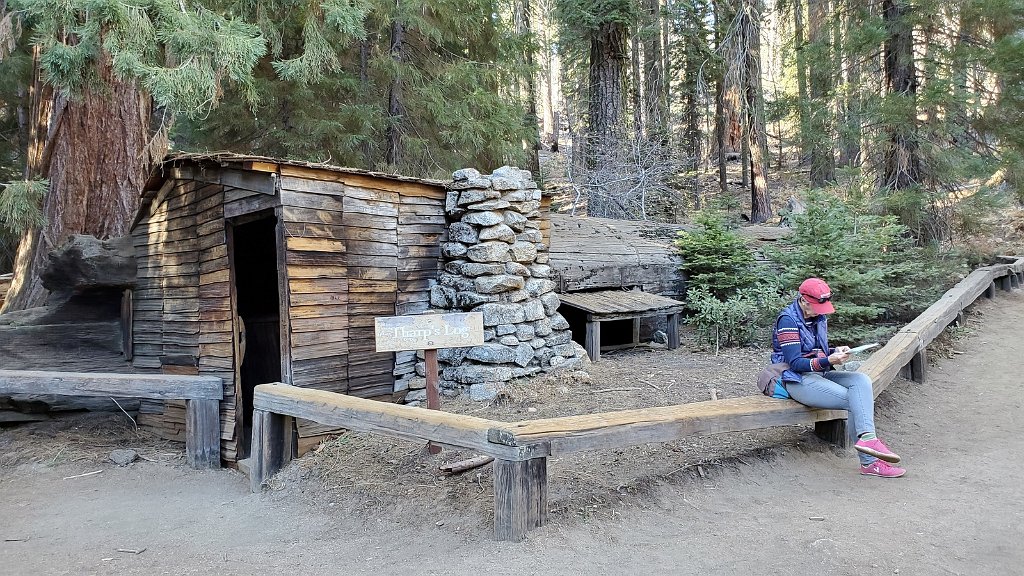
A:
[(741, 319), (879, 277), (715, 259)]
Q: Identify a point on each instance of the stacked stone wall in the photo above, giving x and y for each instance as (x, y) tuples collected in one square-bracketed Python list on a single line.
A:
[(496, 262)]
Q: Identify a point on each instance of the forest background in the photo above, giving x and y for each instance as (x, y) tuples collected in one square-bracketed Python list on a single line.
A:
[(907, 114)]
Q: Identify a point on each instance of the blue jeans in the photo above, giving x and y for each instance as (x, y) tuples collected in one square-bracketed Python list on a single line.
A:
[(835, 390)]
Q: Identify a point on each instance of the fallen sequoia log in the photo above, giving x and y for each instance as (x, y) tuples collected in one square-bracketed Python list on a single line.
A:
[(79, 328)]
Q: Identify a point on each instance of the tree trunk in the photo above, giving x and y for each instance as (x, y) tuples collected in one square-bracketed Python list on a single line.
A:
[(97, 156), (364, 84), (608, 49), (532, 145), (801, 79), (901, 167), (849, 152), (760, 199), (393, 134), (823, 164), (720, 125), (636, 87), (654, 78), (692, 102)]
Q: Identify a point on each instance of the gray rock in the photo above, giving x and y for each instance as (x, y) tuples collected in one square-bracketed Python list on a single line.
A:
[(515, 220), (442, 297), (505, 329), (468, 299), (510, 172), (402, 385), (482, 182), (498, 284), (525, 332), (508, 341), (465, 174), (539, 270), (516, 296), (489, 252), (477, 373), (498, 204), (123, 457), (536, 194), (453, 249), (533, 310), (483, 218), (451, 204), (462, 232), (474, 269), (492, 354), (526, 208), (413, 403), (539, 286), (533, 236), (416, 396), (456, 281), (551, 303), (524, 355), (558, 322), (542, 259), (483, 392), (498, 313), (454, 267), (566, 350), (556, 361), (499, 183), (560, 337), (517, 196), (659, 337), (518, 372), (489, 335), (542, 327), (543, 355), (523, 252), (451, 356), (417, 384), (531, 224), (537, 343), (498, 232), (517, 269)]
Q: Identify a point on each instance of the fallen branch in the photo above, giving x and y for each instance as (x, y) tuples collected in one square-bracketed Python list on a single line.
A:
[(82, 475), (464, 465), (630, 389), (131, 551)]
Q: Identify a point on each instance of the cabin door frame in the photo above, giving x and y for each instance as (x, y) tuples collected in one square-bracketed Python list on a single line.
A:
[(283, 319)]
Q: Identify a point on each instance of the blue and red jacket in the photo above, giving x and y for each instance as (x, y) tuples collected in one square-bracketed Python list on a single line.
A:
[(801, 343)]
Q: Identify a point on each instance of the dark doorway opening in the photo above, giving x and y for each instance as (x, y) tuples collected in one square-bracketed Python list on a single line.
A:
[(254, 254)]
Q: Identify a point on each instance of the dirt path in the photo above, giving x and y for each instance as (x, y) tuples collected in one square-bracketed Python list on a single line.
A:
[(802, 510)]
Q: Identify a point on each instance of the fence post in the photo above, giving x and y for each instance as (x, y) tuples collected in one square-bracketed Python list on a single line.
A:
[(270, 448), (202, 433), (520, 497)]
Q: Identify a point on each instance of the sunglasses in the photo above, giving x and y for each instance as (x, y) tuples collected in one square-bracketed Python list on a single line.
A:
[(819, 300)]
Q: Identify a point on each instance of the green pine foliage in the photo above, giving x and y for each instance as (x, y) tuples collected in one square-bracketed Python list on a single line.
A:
[(879, 277)]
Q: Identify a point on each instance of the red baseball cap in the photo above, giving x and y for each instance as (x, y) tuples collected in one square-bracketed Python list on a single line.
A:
[(818, 295)]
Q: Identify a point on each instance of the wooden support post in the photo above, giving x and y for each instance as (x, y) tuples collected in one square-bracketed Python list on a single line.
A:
[(959, 320), (271, 446), (673, 331), (833, 431), (593, 340), (202, 433), (433, 394), (520, 497), (1004, 283), (636, 331), (919, 366), (1014, 280), (990, 292)]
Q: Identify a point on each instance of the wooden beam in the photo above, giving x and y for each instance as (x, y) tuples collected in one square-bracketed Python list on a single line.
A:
[(593, 340), (833, 431), (919, 366), (520, 497), (152, 386), (673, 331), (202, 433), (409, 422), (660, 424), (271, 446)]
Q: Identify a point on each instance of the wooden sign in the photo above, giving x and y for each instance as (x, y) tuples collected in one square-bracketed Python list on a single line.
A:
[(429, 331)]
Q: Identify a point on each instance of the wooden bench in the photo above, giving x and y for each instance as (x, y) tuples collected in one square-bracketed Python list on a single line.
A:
[(202, 395), (608, 305), (521, 449)]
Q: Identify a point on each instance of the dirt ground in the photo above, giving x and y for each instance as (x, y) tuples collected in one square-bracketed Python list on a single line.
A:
[(774, 502)]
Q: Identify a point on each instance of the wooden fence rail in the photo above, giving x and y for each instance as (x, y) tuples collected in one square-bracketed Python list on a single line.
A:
[(521, 449), (202, 395)]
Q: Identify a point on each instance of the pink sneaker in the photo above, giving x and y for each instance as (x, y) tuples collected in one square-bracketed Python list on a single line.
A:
[(883, 469), (876, 448)]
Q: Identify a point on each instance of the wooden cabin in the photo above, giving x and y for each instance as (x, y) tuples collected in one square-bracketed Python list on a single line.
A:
[(259, 270)]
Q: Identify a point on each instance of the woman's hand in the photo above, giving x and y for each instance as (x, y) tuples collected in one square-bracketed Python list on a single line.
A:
[(843, 349), (838, 358)]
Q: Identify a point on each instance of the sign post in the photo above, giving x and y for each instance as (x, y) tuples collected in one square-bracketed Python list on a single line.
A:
[(428, 332)]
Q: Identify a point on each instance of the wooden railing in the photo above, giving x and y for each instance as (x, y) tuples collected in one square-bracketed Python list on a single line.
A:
[(521, 449), (202, 395)]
